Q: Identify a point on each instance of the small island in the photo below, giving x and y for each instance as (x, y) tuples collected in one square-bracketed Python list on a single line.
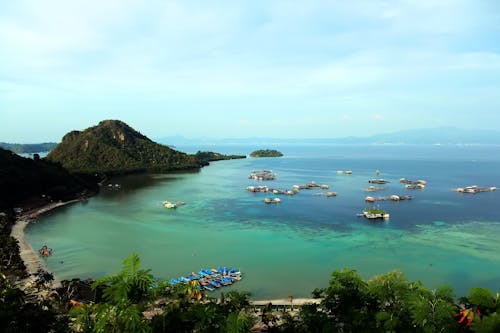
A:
[(266, 153)]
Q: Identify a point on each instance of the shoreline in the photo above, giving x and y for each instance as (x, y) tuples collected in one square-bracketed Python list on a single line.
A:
[(286, 301), (30, 257)]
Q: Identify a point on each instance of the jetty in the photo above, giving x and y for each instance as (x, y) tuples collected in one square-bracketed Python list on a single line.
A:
[(326, 194), (378, 181), (374, 188), (413, 184), (271, 200), (473, 189), (267, 189), (310, 186), (389, 198)]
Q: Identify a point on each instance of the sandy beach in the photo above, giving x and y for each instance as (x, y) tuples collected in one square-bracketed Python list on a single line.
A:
[(30, 257)]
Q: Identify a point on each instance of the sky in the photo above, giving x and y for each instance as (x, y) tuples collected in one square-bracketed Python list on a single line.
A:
[(259, 68)]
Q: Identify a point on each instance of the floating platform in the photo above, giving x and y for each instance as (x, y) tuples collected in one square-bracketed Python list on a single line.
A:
[(473, 189), (374, 214), (378, 181)]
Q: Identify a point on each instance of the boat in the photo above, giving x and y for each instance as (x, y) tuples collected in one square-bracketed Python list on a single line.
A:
[(271, 200), (169, 205), (45, 251), (210, 279), (378, 181), (475, 189), (375, 213)]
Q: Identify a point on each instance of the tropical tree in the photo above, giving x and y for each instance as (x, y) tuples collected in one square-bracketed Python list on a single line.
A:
[(125, 294), (433, 311), (132, 284)]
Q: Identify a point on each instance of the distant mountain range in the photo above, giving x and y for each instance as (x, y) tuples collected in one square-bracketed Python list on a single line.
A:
[(441, 135), (28, 148)]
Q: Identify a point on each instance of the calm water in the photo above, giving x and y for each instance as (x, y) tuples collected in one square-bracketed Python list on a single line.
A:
[(291, 248)]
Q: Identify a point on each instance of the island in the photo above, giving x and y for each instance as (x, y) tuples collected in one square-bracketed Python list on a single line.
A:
[(266, 153)]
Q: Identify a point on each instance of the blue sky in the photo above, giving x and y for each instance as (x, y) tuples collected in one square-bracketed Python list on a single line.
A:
[(248, 68)]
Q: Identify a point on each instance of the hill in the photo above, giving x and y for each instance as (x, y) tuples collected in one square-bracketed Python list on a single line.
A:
[(26, 181), (113, 147)]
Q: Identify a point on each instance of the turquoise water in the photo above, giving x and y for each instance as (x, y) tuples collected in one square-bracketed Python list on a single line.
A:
[(291, 248)]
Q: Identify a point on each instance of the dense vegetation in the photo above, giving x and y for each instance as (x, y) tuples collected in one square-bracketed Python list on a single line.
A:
[(113, 147), (208, 156), (266, 153), (30, 148), (132, 301), (36, 181), (11, 263)]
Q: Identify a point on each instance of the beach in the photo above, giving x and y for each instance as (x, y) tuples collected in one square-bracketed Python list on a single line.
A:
[(30, 257)]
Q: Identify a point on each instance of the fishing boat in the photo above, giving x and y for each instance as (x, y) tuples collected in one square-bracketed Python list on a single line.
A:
[(210, 279)]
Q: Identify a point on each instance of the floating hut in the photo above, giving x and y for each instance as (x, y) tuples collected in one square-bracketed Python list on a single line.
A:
[(375, 213), (374, 189), (414, 186), (378, 181), (271, 200), (473, 189), (262, 175), (412, 182)]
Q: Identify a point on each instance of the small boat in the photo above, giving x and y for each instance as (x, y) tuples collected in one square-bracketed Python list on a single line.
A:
[(378, 181), (271, 200), (169, 205), (45, 251)]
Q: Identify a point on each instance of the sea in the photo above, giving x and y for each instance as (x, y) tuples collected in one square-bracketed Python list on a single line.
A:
[(441, 237)]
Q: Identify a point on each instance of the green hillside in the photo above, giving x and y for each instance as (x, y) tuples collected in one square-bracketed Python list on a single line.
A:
[(266, 153), (113, 147)]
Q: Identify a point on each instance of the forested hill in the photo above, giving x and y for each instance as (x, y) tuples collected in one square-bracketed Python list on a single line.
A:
[(25, 180), (113, 147)]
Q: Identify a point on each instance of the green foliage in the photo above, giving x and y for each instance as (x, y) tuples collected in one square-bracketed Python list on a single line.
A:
[(385, 303), (131, 284), (238, 322), (19, 313), (113, 147), (488, 324), (266, 153), (434, 312), (483, 299), (24, 178)]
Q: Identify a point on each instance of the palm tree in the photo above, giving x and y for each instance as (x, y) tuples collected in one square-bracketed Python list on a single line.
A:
[(132, 283), (126, 294)]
